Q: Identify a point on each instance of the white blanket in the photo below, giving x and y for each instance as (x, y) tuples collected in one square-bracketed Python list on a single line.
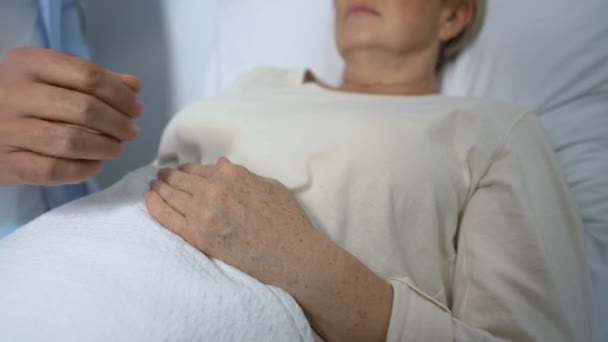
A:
[(100, 269)]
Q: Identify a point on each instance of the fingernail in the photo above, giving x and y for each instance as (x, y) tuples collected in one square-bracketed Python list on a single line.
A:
[(135, 129), (139, 110)]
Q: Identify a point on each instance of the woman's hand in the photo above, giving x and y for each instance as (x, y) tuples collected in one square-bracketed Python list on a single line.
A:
[(256, 225), (250, 222)]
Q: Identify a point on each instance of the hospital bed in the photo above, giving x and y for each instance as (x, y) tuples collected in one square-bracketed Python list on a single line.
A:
[(548, 56)]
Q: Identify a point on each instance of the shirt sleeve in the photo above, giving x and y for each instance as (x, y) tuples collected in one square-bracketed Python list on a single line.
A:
[(72, 39), (520, 272)]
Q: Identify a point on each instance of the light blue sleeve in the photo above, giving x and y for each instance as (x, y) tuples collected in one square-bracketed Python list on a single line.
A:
[(72, 40), (62, 25)]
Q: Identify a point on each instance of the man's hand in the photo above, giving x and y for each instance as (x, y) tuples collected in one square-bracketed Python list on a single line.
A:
[(61, 116)]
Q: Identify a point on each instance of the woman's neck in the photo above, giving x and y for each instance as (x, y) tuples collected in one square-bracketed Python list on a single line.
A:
[(377, 73)]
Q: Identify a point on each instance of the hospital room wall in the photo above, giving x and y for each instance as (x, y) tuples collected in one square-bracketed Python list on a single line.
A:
[(166, 43)]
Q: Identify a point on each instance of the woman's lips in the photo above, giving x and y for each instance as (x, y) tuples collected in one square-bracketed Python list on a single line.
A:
[(362, 9)]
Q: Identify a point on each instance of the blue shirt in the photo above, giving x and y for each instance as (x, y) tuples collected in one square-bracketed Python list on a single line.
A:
[(59, 23)]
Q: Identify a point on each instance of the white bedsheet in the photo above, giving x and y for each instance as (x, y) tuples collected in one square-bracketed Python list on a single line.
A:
[(110, 273)]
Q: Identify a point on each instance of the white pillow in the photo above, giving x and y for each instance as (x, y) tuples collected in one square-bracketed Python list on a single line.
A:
[(550, 56), (285, 33), (553, 59)]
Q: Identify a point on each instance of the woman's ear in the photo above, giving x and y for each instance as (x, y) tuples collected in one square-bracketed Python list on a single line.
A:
[(456, 16)]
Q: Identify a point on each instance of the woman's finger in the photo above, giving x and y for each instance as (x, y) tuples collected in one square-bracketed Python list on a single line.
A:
[(222, 160), (180, 180), (176, 199), (164, 214), (199, 169)]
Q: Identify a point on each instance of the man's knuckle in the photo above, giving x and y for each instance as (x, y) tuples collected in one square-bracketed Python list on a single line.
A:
[(68, 172), (46, 171), (53, 171), (22, 174), (74, 171), (67, 140), (86, 104), (27, 172), (91, 76)]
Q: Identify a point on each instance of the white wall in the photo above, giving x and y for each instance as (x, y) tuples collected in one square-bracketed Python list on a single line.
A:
[(166, 44)]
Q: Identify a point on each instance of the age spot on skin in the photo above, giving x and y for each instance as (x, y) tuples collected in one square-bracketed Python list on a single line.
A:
[(362, 314)]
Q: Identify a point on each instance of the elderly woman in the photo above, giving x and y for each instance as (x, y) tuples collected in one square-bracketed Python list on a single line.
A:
[(390, 212), (456, 202)]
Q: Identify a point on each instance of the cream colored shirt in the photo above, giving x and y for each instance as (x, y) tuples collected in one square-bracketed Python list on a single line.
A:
[(458, 202)]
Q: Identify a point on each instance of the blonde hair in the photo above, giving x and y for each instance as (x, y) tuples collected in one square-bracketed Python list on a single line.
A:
[(452, 48)]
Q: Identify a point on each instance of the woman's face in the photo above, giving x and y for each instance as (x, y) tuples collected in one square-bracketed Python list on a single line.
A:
[(396, 26)]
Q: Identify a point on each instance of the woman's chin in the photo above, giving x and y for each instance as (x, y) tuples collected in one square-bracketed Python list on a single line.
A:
[(361, 45), (358, 37)]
